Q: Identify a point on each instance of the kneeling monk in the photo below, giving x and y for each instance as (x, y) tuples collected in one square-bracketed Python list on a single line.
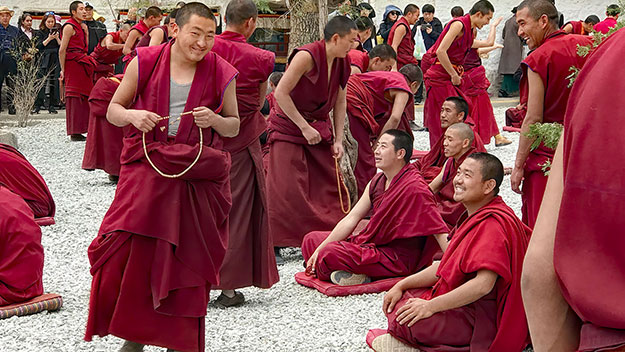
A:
[(163, 240), (301, 177), (401, 237), (21, 253), (471, 299)]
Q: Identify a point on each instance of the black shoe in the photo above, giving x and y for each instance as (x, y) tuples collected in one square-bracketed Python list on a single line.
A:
[(52, 111), (12, 111), (502, 94), (113, 178), (224, 301), (34, 111), (77, 138), (279, 259)]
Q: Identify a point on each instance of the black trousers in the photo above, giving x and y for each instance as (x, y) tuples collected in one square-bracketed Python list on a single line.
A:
[(8, 66)]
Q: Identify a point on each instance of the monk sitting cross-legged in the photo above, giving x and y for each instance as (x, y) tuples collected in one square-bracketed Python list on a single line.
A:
[(163, 240), (404, 233), (458, 144), (471, 299)]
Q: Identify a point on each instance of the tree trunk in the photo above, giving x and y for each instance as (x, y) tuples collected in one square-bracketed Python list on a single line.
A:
[(304, 23)]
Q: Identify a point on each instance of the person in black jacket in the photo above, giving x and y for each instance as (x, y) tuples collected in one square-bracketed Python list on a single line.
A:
[(48, 43), (431, 27), (8, 65), (97, 29), (391, 14)]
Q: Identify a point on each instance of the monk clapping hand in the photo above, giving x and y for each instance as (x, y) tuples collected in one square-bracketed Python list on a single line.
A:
[(143, 120), (204, 117)]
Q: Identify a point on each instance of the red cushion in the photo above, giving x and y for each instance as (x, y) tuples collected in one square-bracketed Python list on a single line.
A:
[(332, 290), (511, 129), (47, 301), (372, 334), (48, 220), (418, 154)]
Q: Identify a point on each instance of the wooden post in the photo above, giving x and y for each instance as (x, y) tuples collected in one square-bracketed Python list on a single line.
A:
[(323, 16)]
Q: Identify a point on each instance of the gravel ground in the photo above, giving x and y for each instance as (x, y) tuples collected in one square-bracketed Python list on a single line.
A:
[(287, 317)]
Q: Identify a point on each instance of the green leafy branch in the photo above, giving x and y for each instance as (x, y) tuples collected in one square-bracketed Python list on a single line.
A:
[(263, 7), (545, 133), (573, 76)]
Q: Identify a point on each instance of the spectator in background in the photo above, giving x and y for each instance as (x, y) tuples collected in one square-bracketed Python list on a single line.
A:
[(25, 24), (8, 66), (431, 27), (612, 14), (367, 11), (97, 29), (391, 14), (511, 56), (48, 44)]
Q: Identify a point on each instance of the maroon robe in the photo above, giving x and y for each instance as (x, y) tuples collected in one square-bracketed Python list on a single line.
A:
[(295, 167), (589, 243), (104, 145), (438, 82), (78, 80), (105, 58), (551, 60), (397, 241), (405, 50), (145, 40), (578, 27), (18, 175), (142, 28), (475, 87), (368, 110), (494, 239), (21, 253), (162, 242), (359, 58), (250, 258)]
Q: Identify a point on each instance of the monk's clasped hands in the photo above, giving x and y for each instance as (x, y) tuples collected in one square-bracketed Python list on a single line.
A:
[(414, 310)]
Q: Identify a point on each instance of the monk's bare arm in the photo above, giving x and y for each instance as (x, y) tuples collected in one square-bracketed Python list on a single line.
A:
[(492, 34), (354, 70), (535, 108), (68, 32), (227, 122), (133, 36), (118, 113), (107, 42), (441, 53), (400, 33), (568, 28), (301, 63), (340, 111), (400, 99), (263, 92), (156, 37), (485, 51)]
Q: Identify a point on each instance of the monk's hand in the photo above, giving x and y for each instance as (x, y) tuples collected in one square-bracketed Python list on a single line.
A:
[(311, 134), (497, 22), (516, 178), (456, 79), (414, 310), (312, 261), (391, 298), (204, 117), (337, 149), (143, 120)]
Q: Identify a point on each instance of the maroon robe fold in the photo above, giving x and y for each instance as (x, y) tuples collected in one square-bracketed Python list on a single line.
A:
[(359, 58), (301, 178), (578, 28), (250, 258), (142, 28), (368, 110), (78, 80), (105, 58), (104, 145), (551, 61), (589, 243), (21, 253), (475, 87), (397, 241), (145, 40), (162, 242), (438, 82), (405, 50), (494, 239), (18, 175)]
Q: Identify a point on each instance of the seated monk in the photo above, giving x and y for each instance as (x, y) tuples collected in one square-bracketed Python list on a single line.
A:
[(370, 98), (21, 253), (471, 299), (104, 145), (18, 175), (458, 145), (381, 58), (454, 110), (401, 237)]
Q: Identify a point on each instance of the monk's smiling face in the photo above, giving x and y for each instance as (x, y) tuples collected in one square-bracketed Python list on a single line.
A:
[(450, 114), (468, 185), (385, 154), (196, 37), (532, 30)]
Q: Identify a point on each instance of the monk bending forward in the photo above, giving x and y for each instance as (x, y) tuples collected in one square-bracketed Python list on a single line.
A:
[(401, 237), (471, 299), (163, 240)]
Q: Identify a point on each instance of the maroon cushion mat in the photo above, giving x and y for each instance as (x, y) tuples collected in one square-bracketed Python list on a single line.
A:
[(47, 301), (332, 290), (511, 129), (48, 220)]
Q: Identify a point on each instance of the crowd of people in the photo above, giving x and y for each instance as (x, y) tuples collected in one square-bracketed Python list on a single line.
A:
[(209, 188)]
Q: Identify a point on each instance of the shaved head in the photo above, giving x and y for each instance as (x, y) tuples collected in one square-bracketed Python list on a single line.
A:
[(491, 168), (412, 73), (537, 8), (463, 131), (383, 51), (239, 11)]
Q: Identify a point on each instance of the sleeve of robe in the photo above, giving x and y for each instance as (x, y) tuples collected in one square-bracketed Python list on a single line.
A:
[(487, 251)]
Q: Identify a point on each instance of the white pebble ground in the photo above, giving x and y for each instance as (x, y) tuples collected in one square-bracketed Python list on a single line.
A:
[(287, 317)]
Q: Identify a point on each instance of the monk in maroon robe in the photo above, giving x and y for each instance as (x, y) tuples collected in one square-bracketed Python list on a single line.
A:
[(471, 299), (400, 36), (18, 175), (404, 233), (442, 64), (584, 27), (454, 110), (76, 72), (153, 17), (302, 192), (104, 145), (162, 242), (158, 35), (21, 253), (358, 57), (573, 274), (370, 97), (381, 58), (250, 259), (108, 52), (548, 94), (458, 144)]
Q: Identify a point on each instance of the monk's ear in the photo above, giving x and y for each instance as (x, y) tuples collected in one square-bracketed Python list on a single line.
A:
[(400, 154), (489, 186), (174, 30), (466, 143)]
